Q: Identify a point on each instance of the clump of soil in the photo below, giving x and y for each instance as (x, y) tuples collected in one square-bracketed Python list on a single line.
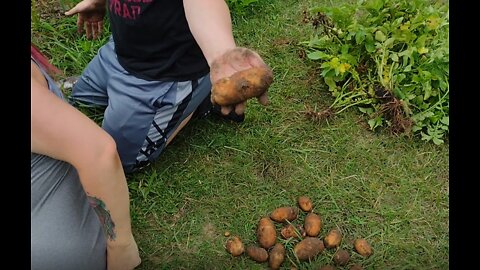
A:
[(320, 116), (392, 109)]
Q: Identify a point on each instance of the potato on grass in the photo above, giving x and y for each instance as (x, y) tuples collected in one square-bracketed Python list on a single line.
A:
[(282, 214), (288, 231), (356, 267), (363, 247), (333, 239), (327, 267), (308, 248), (242, 85), (235, 246), (341, 257), (313, 224), (266, 233), (276, 256), (257, 254), (305, 203)]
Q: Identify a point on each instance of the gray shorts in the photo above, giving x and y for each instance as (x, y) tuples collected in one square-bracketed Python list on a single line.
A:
[(140, 115)]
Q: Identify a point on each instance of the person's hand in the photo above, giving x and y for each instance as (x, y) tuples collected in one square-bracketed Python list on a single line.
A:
[(230, 62), (123, 256), (90, 17)]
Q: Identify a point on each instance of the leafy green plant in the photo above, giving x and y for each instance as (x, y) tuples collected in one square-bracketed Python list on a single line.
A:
[(239, 6), (390, 59)]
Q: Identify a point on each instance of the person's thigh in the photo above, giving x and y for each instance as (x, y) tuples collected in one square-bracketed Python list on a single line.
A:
[(177, 105), (65, 231), (141, 115), (91, 87)]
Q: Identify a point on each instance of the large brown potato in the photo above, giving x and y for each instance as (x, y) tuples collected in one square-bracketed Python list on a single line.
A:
[(308, 248), (257, 253), (341, 257), (276, 256), (333, 239), (305, 203), (266, 233), (363, 247), (242, 85), (282, 214), (313, 224)]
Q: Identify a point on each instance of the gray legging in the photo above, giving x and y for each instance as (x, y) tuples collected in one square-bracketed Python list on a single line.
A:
[(66, 232)]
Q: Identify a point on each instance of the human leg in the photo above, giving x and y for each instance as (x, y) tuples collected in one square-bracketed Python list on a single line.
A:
[(91, 87), (143, 115)]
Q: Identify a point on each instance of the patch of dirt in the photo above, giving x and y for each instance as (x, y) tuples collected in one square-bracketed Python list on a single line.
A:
[(319, 116), (362, 68), (281, 42), (392, 109), (313, 75), (49, 9), (269, 170), (302, 54), (181, 212), (209, 231), (319, 19)]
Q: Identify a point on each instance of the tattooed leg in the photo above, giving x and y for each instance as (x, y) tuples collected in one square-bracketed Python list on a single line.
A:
[(104, 216)]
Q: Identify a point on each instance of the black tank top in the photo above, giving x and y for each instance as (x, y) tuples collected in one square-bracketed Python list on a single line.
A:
[(153, 40)]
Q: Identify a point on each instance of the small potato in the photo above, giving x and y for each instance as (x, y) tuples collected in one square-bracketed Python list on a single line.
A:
[(308, 248), (341, 257), (284, 213), (356, 267), (266, 233), (276, 256), (313, 224), (235, 246), (305, 203), (242, 85), (363, 247), (288, 231), (257, 254), (333, 239)]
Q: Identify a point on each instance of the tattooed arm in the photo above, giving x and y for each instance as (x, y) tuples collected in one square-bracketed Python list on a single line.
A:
[(60, 131)]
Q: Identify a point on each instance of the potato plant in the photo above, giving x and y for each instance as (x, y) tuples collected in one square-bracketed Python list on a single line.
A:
[(388, 58)]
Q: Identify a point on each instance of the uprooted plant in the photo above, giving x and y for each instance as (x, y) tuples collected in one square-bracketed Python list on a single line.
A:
[(388, 58)]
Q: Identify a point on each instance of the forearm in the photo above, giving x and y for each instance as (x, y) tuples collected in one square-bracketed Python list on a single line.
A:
[(104, 182), (211, 26), (60, 131)]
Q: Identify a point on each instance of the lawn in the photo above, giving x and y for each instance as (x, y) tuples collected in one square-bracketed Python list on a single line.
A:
[(218, 176)]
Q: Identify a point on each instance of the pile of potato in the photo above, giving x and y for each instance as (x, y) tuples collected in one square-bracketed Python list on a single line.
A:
[(308, 244)]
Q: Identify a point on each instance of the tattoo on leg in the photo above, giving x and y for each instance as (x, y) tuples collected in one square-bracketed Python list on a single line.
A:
[(104, 215)]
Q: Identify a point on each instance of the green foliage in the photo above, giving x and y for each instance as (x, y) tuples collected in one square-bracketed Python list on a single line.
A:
[(56, 36), (239, 7), (389, 58)]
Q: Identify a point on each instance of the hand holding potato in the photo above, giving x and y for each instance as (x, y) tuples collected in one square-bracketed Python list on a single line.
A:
[(237, 75)]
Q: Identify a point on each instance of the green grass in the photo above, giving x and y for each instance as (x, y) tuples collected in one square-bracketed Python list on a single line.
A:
[(218, 176)]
